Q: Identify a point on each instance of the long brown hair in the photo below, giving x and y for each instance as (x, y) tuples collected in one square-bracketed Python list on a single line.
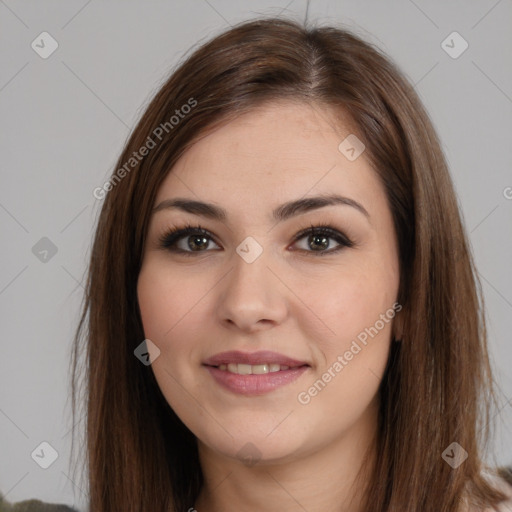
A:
[(438, 386)]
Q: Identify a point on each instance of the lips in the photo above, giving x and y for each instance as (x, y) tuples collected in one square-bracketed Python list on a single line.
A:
[(256, 373), (254, 358)]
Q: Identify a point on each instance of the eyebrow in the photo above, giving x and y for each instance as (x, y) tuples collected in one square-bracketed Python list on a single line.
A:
[(281, 213)]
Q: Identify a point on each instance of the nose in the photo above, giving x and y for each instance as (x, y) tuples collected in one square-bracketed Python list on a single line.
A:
[(252, 297)]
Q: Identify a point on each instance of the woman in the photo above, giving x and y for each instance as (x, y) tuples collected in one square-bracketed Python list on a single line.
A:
[(282, 310)]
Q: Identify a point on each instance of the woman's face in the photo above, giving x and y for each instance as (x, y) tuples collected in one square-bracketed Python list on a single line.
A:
[(321, 304)]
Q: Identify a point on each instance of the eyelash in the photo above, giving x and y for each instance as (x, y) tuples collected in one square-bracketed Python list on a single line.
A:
[(169, 239)]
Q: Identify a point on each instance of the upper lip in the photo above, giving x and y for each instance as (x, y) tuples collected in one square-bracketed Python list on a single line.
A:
[(252, 358)]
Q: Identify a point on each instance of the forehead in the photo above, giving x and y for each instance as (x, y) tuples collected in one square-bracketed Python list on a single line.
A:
[(276, 152)]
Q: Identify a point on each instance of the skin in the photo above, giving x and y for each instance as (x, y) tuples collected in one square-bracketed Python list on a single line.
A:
[(295, 302)]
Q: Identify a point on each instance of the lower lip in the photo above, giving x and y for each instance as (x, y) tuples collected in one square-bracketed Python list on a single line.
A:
[(255, 384)]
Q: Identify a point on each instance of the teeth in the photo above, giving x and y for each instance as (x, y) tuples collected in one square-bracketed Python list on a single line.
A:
[(260, 368), (243, 369), (249, 369)]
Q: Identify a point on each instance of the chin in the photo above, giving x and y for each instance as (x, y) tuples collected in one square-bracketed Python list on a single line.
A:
[(251, 447)]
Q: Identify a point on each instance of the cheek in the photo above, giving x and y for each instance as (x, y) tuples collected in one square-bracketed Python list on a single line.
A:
[(155, 304), (358, 309), (166, 302), (353, 303), (169, 319)]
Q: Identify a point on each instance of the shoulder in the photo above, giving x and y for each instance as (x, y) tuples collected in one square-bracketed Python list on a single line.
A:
[(502, 479), (32, 506)]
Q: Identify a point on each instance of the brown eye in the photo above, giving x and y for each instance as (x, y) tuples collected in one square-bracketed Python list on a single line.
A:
[(318, 239), (191, 240), (187, 240)]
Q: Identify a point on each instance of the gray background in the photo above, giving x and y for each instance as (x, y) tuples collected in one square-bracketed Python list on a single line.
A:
[(64, 122)]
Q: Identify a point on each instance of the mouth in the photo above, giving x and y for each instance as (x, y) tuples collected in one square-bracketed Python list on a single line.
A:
[(254, 369), (254, 373), (260, 358)]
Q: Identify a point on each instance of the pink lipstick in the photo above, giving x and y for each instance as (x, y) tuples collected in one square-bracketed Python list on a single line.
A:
[(254, 373)]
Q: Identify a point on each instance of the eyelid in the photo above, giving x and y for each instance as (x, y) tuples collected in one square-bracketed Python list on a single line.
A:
[(331, 232), (177, 233), (171, 236)]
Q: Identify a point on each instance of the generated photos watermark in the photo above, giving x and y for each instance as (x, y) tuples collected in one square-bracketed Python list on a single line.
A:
[(158, 134), (304, 397)]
